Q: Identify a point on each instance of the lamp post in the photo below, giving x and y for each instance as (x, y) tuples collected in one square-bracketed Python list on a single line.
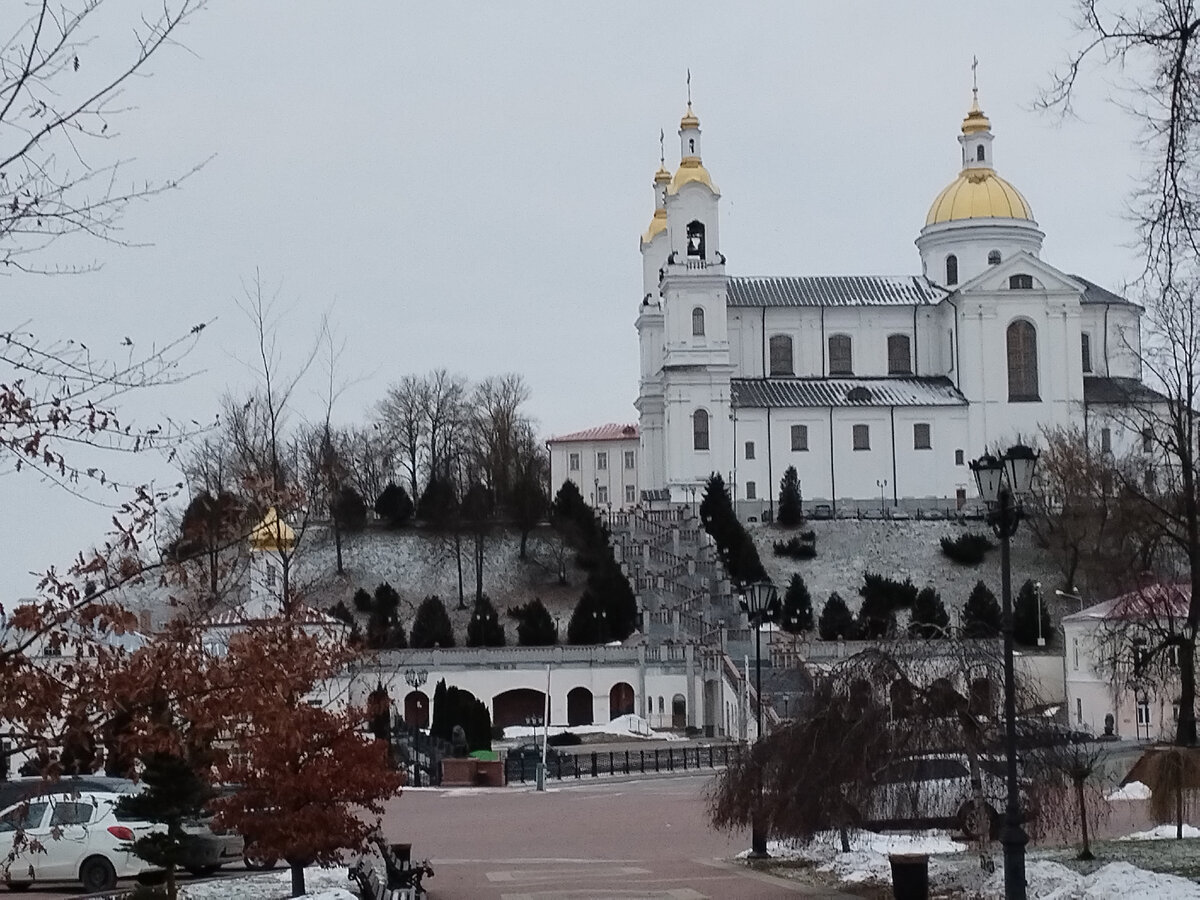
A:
[(761, 603), (882, 484), (1003, 483)]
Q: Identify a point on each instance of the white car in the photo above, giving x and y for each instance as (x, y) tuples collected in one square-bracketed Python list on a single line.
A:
[(78, 837), (935, 791)]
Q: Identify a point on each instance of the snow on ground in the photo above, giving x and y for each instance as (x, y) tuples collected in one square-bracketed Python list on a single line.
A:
[(1052, 881), (1135, 790), (868, 856), (1161, 833), (321, 884), (622, 726)]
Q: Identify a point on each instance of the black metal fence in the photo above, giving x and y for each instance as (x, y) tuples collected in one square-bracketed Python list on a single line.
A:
[(660, 760), (419, 754)]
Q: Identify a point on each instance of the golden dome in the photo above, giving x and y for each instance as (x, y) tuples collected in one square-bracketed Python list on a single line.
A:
[(978, 193), (689, 119), (662, 176), (691, 169), (975, 121), (272, 533), (658, 225)]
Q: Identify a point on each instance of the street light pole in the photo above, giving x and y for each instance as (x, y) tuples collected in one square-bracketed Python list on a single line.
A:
[(1002, 481), (761, 602)]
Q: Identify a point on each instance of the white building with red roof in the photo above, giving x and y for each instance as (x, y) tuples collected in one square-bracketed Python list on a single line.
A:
[(1121, 672), (602, 461)]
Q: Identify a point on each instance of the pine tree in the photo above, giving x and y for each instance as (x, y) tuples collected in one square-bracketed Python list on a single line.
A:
[(791, 509), (797, 614), (484, 629), (588, 624), (348, 509), (929, 616), (1025, 617), (535, 625), (431, 627), (394, 505), (981, 614), (836, 621), (363, 601), (734, 544)]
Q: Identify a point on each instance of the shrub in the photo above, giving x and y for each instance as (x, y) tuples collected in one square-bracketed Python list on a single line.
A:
[(564, 739), (342, 613), (967, 549), (796, 548), (348, 509), (394, 505), (363, 601), (484, 629), (535, 625), (836, 621), (981, 614), (929, 616), (797, 614)]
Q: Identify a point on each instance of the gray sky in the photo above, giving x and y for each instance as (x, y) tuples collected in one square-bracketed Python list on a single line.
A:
[(464, 184)]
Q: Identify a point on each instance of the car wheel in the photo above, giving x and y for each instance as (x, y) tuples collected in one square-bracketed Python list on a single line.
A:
[(202, 871), (257, 863), (97, 874)]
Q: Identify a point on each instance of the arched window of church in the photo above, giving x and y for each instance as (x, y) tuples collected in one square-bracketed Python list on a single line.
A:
[(951, 269), (700, 430), (698, 322), (979, 153), (994, 258), (841, 357), (781, 355), (899, 355), (695, 239), (1022, 362), (1020, 282)]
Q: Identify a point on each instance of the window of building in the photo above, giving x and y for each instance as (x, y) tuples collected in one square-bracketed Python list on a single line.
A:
[(1143, 712), (959, 458), (899, 355), (573, 462), (979, 153), (862, 437), (994, 258), (630, 493), (698, 322), (751, 490), (841, 357), (695, 239), (602, 460), (749, 449), (1075, 648), (951, 269), (1022, 362), (921, 439), (629, 458), (781, 355), (1085, 350), (1106, 440), (1079, 710), (1147, 440), (1020, 282), (602, 493), (800, 437), (700, 430)]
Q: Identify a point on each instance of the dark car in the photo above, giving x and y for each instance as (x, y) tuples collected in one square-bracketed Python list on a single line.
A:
[(521, 762)]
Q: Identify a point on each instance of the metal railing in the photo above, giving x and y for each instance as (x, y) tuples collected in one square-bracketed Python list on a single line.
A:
[(659, 761)]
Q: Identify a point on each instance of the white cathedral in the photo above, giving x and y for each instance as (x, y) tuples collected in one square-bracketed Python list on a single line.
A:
[(878, 389)]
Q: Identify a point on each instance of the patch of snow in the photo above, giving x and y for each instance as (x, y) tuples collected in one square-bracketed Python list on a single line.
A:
[(1135, 790), (1161, 833), (321, 884), (624, 726), (1052, 881), (869, 851)]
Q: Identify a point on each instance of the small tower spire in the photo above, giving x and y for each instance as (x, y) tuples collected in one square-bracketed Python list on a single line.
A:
[(662, 153)]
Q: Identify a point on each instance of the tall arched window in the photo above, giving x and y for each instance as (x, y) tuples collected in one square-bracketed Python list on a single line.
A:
[(700, 430), (781, 355), (899, 355), (841, 357), (951, 269), (698, 322), (695, 239), (1022, 362)]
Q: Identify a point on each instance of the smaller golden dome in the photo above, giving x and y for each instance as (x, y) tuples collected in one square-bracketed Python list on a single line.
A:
[(690, 169), (658, 225), (273, 534), (975, 120), (662, 176), (689, 119), (978, 193)]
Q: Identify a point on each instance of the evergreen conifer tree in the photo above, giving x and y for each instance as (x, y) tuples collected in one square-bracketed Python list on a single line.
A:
[(836, 621), (431, 627), (363, 601), (484, 629), (535, 625), (797, 614), (791, 510), (1025, 617), (394, 505), (981, 614), (929, 616)]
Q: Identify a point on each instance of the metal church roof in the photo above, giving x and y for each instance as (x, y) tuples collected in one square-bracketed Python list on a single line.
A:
[(833, 290), (844, 392)]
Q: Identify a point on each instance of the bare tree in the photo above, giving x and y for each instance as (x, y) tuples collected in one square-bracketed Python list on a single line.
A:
[(402, 420)]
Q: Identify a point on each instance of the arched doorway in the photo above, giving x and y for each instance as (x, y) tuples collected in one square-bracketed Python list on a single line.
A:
[(620, 700), (520, 706), (678, 711), (579, 706), (379, 709), (416, 709)]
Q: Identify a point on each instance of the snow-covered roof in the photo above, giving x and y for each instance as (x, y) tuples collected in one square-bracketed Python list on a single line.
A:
[(1154, 601), (305, 615), (613, 431)]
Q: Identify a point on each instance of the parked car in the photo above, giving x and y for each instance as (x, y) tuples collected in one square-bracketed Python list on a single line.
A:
[(935, 791), (17, 789), (521, 762), (79, 836), (209, 846)]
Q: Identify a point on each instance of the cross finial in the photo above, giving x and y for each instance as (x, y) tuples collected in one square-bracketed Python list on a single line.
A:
[(689, 85), (975, 77), (662, 154)]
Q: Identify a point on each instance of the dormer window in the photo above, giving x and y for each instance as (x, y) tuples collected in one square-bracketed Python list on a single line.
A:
[(979, 153), (1020, 282), (951, 269), (695, 240), (994, 258)]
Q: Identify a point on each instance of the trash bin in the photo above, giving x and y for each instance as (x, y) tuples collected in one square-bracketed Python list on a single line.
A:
[(910, 876)]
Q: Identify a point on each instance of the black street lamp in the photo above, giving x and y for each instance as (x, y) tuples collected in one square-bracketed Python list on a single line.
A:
[(761, 603), (1003, 483)]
